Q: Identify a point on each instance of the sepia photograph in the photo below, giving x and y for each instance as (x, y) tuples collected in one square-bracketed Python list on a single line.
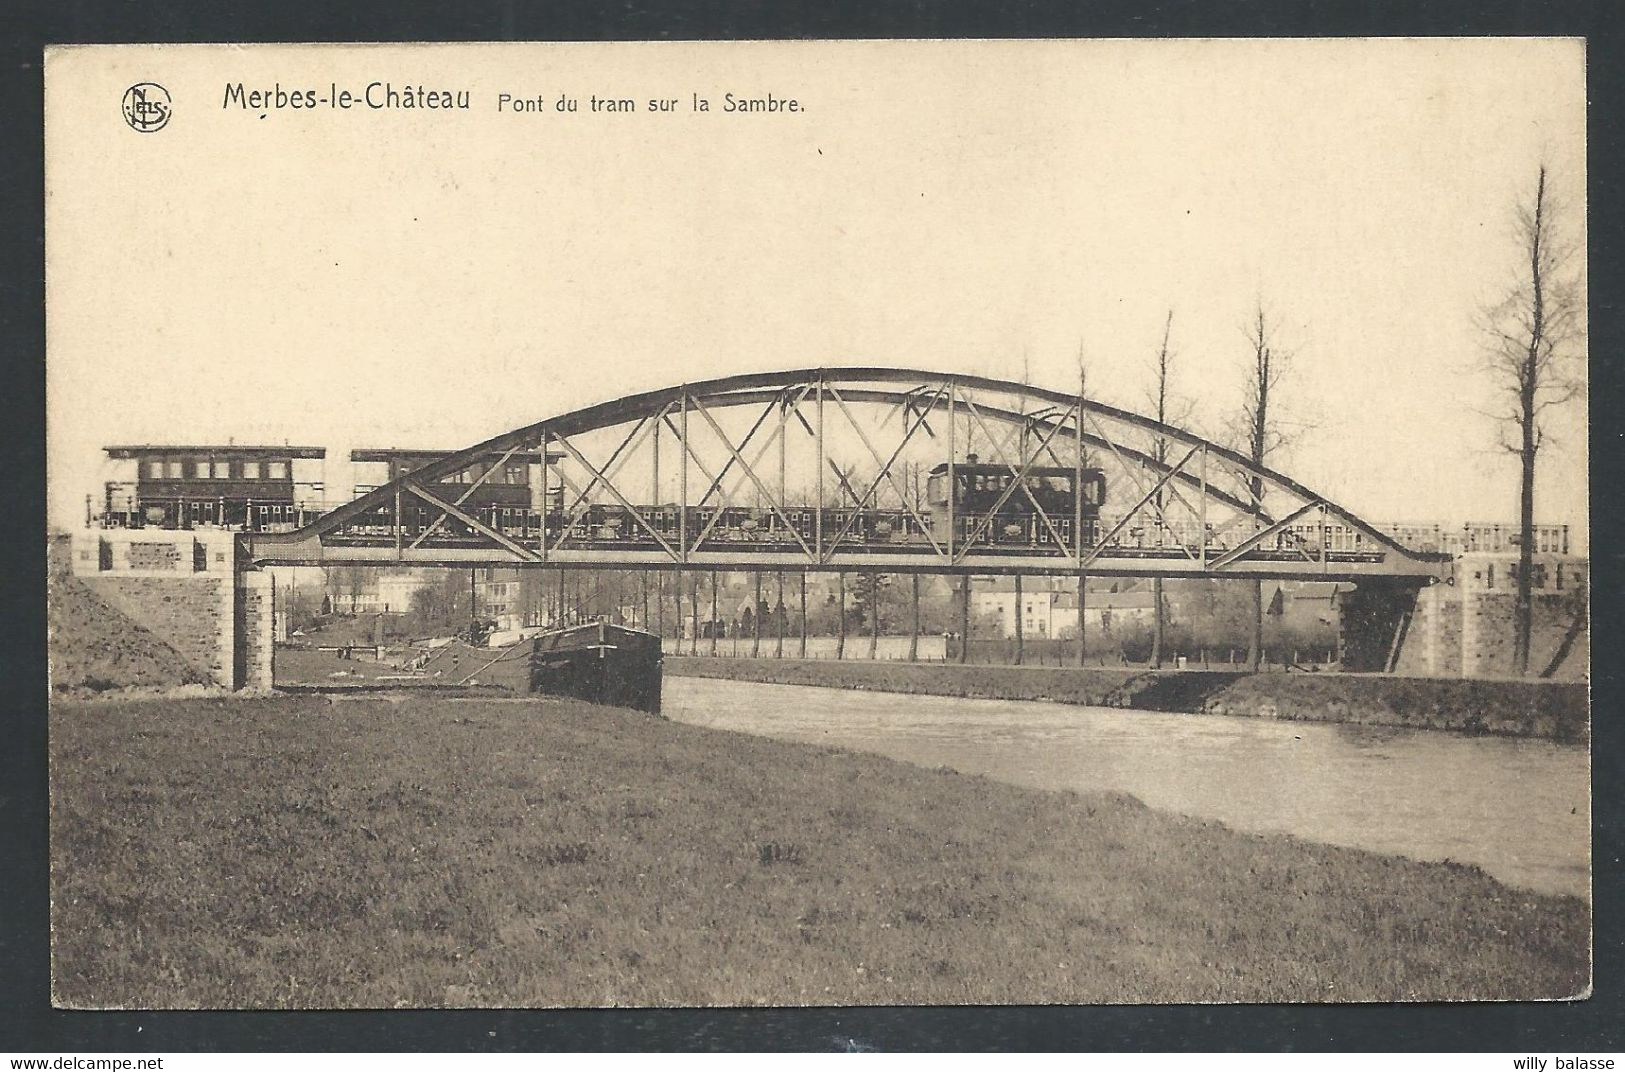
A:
[(818, 523)]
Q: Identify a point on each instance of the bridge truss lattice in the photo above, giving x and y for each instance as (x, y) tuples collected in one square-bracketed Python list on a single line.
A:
[(824, 470)]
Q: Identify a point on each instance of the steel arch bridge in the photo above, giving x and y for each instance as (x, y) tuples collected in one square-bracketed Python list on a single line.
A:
[(854, 469)]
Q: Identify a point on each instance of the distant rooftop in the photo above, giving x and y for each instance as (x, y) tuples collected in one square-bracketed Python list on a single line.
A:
[(235, 450)]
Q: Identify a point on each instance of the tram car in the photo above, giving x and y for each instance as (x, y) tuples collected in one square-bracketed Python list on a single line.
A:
[(502, 490), (259, 488), (280, 489), (510, 503), (979, 488)]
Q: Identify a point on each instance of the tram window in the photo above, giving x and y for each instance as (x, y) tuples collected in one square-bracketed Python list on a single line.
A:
[(276, 470), (172, 469), (220, 470), (515, 473), (200, 470), (251, 470), (155, 470)]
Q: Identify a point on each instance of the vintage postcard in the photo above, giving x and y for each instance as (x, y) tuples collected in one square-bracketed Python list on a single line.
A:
[(818, 523)]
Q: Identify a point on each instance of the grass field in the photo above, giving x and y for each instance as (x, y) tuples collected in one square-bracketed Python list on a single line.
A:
[(1556, 711), (420, 850)]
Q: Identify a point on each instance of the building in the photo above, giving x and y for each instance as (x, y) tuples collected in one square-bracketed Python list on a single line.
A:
[(513, 598), (1049, 605), (995, 597), (1306, 605), (264, 488), (1428, 536), (356, 590)]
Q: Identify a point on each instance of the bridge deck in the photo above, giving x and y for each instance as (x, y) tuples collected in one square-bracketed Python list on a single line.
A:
[(1127, 562)]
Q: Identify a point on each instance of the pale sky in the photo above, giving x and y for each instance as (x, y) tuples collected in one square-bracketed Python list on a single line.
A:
[(416, 278)]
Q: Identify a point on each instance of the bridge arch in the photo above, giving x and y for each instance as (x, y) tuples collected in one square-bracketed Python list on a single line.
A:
[(1182, 505)]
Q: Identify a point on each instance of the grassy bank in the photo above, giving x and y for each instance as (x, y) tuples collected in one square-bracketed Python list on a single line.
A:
[(417, 850), (1553, 710), (94, 648)]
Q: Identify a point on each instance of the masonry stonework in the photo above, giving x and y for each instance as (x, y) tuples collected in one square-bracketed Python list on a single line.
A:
[(187, 589), (256, 594), (1465, 629)]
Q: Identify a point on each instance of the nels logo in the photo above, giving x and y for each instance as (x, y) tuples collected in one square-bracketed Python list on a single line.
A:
[(147, 107)]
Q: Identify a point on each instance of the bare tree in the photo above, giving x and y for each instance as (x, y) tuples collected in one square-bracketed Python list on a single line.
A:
[(346, 585), (1261, 428), (1168, 408), (1533, 341)]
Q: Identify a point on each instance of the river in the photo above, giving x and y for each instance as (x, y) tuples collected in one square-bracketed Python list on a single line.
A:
[(1518, 809)]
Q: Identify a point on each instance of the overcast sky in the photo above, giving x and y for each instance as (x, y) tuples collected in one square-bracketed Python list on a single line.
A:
[(415, 278)]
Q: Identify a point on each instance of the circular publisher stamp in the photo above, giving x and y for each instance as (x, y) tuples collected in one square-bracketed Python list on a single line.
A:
[(147, 107)]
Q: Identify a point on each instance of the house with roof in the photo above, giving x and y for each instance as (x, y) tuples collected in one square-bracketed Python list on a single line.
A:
[(1049, 605)]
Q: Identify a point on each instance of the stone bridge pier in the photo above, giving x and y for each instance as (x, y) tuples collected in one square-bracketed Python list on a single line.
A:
[(194, 590)]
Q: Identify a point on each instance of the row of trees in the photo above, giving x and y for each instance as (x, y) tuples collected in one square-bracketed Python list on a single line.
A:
[(1533, 352)]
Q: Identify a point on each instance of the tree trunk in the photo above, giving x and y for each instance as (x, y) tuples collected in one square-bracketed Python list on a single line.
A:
[(1156, 623), (694, 613), (964, 619), (914, 617), (1020, 633), (756, 619), (1083, 647), (1523, 609), (677, 611), (1255, 642), (874, 618), (840, 615)]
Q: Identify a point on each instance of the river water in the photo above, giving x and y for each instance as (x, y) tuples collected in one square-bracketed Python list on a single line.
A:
[(1518, 809)]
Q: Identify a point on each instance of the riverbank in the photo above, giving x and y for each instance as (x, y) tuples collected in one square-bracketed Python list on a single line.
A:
[(1555, 711), (304, 852)]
